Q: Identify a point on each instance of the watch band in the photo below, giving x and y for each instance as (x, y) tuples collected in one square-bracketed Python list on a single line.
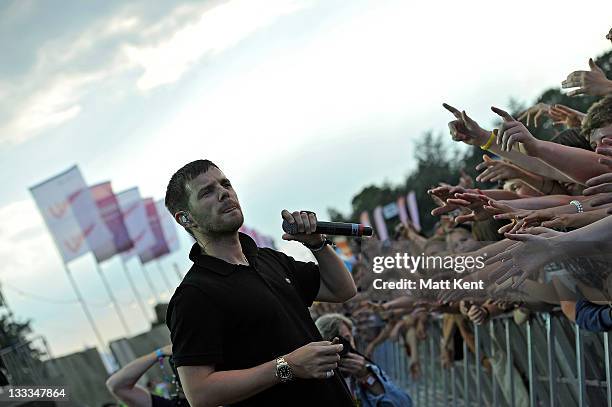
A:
[(324, 243), (283, 370)]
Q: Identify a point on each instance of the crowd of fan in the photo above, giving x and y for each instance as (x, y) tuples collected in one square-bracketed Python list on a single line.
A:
[(543, 232)]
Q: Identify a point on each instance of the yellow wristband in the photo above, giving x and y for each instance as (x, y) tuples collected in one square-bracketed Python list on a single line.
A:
[(489, 142)]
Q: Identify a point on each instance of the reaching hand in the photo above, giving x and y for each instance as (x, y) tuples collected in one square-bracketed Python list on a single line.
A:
[(568, 220), (512, 131), (605, 150), (446, 191), (536, 112), (478, 314), (523, 218), (466, 180), (497, 170), (465, 129), (601, 188), (476, 203), (440, 195), (561, 114), (541, 231), (524, 259), (592, 82), (600, 184)]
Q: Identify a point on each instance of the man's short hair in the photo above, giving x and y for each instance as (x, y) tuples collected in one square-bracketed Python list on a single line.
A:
[(329, 325), (599, 115), (177, 198)]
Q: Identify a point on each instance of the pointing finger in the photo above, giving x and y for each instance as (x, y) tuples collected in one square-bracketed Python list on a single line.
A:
[(505, 115), (453, 110)]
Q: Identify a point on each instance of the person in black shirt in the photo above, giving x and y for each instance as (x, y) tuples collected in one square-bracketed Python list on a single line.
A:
[(239, 322)]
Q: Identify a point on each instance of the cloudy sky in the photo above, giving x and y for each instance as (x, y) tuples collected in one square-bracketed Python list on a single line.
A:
[(301, 103)]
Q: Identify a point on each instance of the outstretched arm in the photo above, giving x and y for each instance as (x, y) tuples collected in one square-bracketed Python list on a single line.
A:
[(122, 384), (578, 164)]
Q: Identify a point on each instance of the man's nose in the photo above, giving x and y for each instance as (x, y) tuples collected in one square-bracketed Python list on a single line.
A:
[(223, 193)]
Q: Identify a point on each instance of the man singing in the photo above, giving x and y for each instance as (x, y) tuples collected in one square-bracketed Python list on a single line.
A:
[(239, 321)]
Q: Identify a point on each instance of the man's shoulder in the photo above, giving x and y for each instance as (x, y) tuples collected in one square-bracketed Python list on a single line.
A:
[(190, 289)]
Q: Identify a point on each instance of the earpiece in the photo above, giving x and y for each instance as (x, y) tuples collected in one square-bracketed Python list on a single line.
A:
[(185, 220)]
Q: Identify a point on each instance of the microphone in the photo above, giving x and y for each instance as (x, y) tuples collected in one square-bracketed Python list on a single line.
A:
[(332, 228)]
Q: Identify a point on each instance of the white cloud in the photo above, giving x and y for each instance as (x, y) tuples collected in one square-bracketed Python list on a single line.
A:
[(24, 247), (218, 29), (69, 69)]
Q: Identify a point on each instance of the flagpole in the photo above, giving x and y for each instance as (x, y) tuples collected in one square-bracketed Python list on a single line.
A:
[(84, 306), (161, 271), (178, 271), (150, 283), (112, 298), (136, 293)]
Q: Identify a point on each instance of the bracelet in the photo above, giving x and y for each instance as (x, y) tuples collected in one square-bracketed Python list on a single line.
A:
[(324, 243), (159, 354), (486, 145), (578, 205)]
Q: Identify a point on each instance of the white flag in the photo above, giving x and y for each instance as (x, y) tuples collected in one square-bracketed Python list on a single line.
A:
[(136, 222), (168, 225), (414, 210), (379, 221), (72, 216)]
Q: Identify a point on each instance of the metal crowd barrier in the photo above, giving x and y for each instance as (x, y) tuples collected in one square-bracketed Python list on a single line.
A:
[(546, 361), (28, 362)]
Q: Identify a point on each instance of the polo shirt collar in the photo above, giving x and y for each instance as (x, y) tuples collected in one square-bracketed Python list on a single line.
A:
[(249, 248)]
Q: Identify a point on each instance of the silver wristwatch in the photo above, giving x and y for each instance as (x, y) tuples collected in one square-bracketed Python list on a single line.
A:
[(283, 370)]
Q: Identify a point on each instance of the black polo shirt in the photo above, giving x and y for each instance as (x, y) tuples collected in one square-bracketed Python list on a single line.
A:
[(237, 317)]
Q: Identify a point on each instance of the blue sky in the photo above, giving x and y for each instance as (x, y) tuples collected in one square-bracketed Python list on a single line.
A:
[(301, 103)]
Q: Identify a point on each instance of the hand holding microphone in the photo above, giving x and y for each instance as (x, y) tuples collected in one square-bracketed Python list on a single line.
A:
[(301, 226), (304, 227)]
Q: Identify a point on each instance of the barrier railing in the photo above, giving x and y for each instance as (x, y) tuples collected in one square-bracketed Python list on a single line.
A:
[(21, 367), (545, 361)]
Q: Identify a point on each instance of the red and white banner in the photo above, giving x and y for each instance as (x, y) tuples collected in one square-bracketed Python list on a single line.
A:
[(168, 225), (379, 221), (136, 222), (111, 214), (160, 247), (414, 210), (72, 216)]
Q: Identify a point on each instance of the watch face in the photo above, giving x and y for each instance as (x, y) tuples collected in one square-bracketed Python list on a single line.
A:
[(284, 371)]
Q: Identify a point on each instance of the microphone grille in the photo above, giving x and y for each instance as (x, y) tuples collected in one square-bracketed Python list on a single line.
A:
[(291, 228)]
